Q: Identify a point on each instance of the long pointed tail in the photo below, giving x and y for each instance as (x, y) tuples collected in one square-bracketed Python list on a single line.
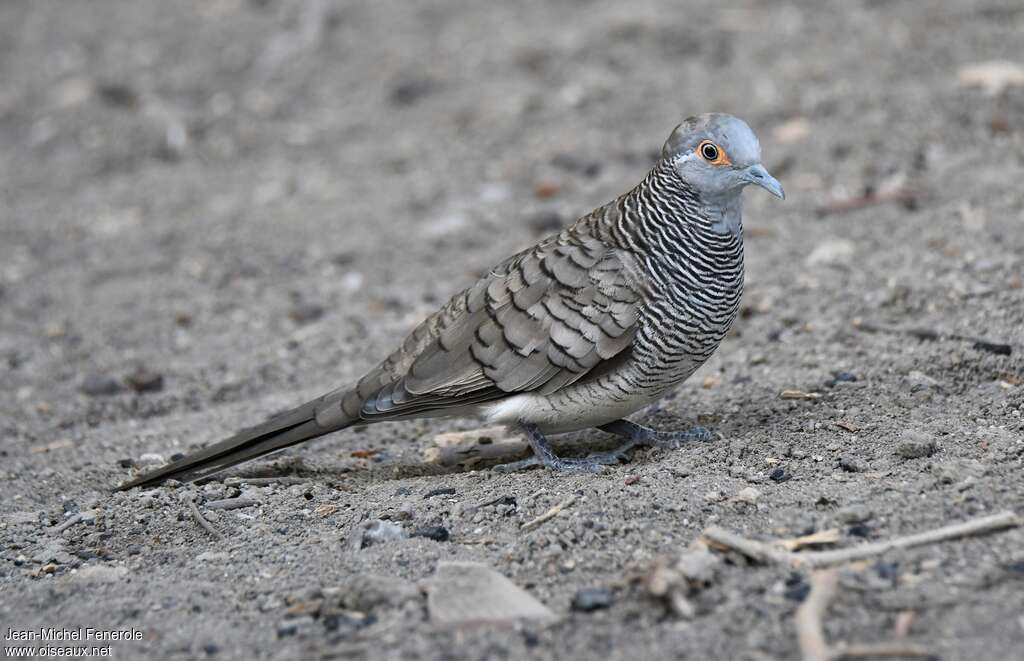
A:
[(295, 426)]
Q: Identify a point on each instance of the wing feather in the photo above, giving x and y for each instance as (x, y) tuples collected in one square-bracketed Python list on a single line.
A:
[(538, 322)]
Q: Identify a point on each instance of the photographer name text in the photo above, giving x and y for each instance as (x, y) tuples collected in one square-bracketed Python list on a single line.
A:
[(60, 634)]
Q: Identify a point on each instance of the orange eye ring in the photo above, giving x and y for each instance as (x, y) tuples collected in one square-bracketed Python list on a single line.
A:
[(712, 153)]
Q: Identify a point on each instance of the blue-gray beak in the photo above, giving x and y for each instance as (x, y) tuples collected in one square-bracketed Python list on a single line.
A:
[(757, 175)]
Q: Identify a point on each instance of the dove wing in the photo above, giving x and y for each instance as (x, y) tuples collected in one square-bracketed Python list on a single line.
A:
[(541, 320)]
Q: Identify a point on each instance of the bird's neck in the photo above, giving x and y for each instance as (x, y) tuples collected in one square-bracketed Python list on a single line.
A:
[(725, 213), (665, 208)]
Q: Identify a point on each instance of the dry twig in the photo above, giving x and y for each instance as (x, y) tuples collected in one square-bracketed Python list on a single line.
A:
[(921, 333), (58, 529), (231, 503), (264, 481), (550, 514), (203, 523), (769, 552), (830, 536), (810, 630), (893, 650)]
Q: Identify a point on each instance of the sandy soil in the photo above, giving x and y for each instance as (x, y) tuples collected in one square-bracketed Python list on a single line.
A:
[(214, 210)]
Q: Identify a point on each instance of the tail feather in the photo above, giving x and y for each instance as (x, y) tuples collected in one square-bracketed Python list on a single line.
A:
[(280, 432)]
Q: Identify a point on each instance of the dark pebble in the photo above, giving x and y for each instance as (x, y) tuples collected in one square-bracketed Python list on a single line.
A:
[(144, 380), (125, 463), (1015, 567), (850, 465), (287, 629), (797, 588), (501, 500), (98, 385), (844, 377), (545, 222), (408, 92), (403, 491), (177, 456), (304, 313), (779, 475), (916, 445), (859, 530), (118, 95), (889, 571), (210, 649), (343, 258), (992, 347), (592, 599), (436, 533), (444, 491)]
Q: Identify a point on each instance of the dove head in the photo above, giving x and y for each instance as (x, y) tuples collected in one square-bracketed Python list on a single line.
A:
[(718, 155)]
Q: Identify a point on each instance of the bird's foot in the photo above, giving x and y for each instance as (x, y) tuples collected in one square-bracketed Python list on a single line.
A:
[(640, 435), (544, 456)]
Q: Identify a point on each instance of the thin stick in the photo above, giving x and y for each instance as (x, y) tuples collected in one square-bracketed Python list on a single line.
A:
[(830, 536), (753, 549), (934, 335), (231, 503), (58, 529), (810, 632), (264, 481), (203, 523), (980, 526), (894, 650), (766, 552), (550, 514)]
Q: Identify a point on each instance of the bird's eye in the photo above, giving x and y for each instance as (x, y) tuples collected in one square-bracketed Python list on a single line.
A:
[(712, 153)]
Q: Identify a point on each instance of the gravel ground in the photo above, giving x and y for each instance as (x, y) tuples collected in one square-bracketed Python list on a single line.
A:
[(213, 210)]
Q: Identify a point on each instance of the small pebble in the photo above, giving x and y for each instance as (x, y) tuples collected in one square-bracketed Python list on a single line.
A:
[(376, 532), (304, 313), (445, 491), (916, 445), (99, 385), (143, 380), (592, 599), (889, 571), (779, 475), (409, 91), (859, 530), (1015, 567), (797, 588), (850, 465), (150, 459)]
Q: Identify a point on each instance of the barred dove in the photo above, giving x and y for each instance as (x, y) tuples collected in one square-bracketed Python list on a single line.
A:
[(580, 330)]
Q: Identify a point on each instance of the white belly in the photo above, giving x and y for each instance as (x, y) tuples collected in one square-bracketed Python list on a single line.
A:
[(564, 411)]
